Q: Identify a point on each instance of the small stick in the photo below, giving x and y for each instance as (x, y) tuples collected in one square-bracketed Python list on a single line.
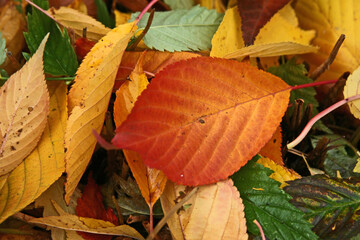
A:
[(146, 29), (325, 65)]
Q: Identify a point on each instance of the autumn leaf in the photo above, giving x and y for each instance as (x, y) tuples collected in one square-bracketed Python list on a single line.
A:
[(272, 149), (218, 5), (44, 165), (215, 211), (77, 21), (351, 88), (151, 181), (24, 103), (330, 19), (201, 119), (89, 99), (255, 14)]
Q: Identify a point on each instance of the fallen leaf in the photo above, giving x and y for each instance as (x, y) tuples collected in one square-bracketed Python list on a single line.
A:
[(89, 99), (59, 3), (184, 4), (134, 5), (218, 5), (44, 165), (272, 149), (121, 18), (196, 104), (151, 181), (77, 21), (281, 173), (24, 102), (351, 88), (255, 14), (330, 19), (89, 225), (215, 211)]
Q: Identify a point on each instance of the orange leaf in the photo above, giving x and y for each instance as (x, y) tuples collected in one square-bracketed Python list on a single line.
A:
[(272, 149), (24, 106), (201, 119), (150, 181), (215, 212)]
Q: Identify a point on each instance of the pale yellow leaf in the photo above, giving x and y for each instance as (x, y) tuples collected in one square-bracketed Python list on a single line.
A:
[(216, 212), (151, 182), (90, 225), (281, 173), (24, 106), (351, 89), (357, 166), (44, 165), (77, 21), (89, 99), (121, 18), (218, 5), (330, 19)]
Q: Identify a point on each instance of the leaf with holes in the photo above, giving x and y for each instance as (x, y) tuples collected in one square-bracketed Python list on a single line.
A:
[(201, 119)]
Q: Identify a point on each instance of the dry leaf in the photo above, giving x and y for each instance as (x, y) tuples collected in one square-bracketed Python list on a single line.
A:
[(150, 181), (89, 225), (121, 18), (24, 104), (77, 21), (44, 165), (281, 173), (215, 212), (330, 19), (272, 149), (218, 5), (89, 99), (351, 89)]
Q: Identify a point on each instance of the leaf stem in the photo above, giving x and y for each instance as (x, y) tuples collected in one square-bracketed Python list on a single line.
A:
[(260, 229), (313, 84), (44, 12), (319, 116), (145, 10)]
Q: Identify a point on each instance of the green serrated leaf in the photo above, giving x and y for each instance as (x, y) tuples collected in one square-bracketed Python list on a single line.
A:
[(295, 74), (103, 14), (343, 158), (59, 55), (332, 205), (181, 30), (180, 4), (2, 49), (269, 205)]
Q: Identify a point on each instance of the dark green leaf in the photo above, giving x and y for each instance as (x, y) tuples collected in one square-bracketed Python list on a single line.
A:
[(269, 205), (59, 55), (343, 158), (181, 30), (2, 49), (332, 205), (295, 74), (103, 14)]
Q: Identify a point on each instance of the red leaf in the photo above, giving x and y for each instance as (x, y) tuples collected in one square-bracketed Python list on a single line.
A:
[(255, 14), (200, 120), (91, 205)]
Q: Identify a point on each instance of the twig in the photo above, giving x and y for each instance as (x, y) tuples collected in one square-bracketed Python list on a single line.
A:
[(260, 229), (120, 217), (146, 29), (325, 65), (170, 213)]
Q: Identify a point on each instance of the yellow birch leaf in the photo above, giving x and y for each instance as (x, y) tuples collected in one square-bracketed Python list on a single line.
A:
[(150, 181), (121, 18), (90, 225), (215, 211), (330, 19), (90, 97), (44, 165), (77, 21), (218, 5), (351, 89), (24, 106), (281, 173)]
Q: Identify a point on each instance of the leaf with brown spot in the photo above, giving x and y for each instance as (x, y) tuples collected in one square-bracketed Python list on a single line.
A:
[(272, 149)]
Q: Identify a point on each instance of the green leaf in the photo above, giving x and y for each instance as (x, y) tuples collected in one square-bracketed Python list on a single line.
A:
[(180, 4), (59, 55), (269, 205), (2, 49), (181, 30), (103, 14), (332, 205), (343, 158), (295, 74)]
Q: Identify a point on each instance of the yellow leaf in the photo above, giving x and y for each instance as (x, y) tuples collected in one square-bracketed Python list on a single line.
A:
[(150, 181), (351, 89), (216, 212), (357, 166), (44, 165), (330, 19), (218, 5), (121, 18), (90, 225), (281, 173), (77, 21), (24, 106), (89, 99)]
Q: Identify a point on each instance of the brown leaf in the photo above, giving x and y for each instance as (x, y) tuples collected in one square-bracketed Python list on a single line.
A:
[(24, 104)]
